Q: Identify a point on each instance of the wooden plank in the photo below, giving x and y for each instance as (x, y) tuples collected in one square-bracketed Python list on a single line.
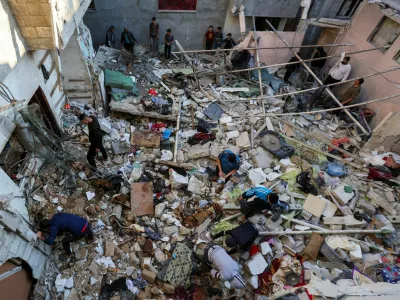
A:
[(378, 200), (54, 88), (233, 89), (41, 62), (150, 139), (314, 205), (53, 65), (182, 50), (142, 198), (347, 220)]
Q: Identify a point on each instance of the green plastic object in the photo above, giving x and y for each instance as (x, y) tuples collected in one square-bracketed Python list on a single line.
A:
[(348, 189), (223, 226), (115, 79)]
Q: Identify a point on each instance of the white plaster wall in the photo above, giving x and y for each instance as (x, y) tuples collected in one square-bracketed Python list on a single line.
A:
[(23, 81), (13, 46)]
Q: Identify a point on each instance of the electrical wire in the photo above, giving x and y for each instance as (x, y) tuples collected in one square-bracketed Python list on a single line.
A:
[(6, 93)]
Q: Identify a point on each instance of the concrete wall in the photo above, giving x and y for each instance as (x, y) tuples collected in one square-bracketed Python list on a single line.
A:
[(13, 45), (188, 28), (363, 23)]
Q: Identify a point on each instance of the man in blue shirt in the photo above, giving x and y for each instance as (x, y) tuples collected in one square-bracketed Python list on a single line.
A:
[(76, 226), (228, 164), (261, 198)]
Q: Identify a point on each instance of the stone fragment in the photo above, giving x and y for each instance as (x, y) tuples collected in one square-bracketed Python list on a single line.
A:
[(129, 270), (81, 253), (265, 248), (257, 176), (184, 231), (159, 209), (109, 248), (256, 264), (133, 258), (366, 206), (94, 267), (341, 196), (253, 281), (262, 159), (149, 276), (198, 151), (243, 141), (168, 289), (159, 256), (170, 230)]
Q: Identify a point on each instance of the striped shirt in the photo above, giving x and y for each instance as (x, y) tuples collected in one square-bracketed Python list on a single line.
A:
[(260, 192)]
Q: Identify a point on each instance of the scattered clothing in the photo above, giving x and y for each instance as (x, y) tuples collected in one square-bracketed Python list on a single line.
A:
[(180, 268), (226, 268)]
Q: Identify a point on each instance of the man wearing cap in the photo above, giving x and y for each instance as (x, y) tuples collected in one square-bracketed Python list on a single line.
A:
[(76, 227), (241, 237)]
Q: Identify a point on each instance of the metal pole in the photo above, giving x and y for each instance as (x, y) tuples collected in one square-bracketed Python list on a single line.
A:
[(258, 64), (178, 123), (318, 80), (266, 48), (286, 64), (321, 110), (328, 232), (313, 89)]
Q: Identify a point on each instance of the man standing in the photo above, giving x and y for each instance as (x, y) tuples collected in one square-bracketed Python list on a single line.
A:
[(241, 237), (95, 138), (218, 38), (127, 40), (168, 40), (225, 268), (110, 38), (77, 228), (339, 72), (229, 42), (209, 38), (291, 68), (260, 198), (154, 36), (319, 64), (347, 96)]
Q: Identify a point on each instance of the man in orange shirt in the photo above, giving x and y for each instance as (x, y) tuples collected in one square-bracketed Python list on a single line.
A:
[(209, 38)]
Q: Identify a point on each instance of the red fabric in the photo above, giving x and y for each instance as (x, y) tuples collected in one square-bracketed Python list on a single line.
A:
[(337, 142), (152, 92), (158, 126), (378, 174), (84, 227), (254, 249)]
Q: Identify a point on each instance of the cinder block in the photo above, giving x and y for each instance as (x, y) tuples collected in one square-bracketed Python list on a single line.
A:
[(27, 252), (35, 21), (19, 9), (15, 245), (20, 20), (28, 31), (40, 43), (44, 31), (39, 9)]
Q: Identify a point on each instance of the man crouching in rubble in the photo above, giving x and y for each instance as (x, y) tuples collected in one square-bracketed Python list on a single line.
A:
[(76, 226), (95, 138), (224, 267), (260, 198)]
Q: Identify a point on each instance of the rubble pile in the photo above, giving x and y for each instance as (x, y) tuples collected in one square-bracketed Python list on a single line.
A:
[(157, 201)]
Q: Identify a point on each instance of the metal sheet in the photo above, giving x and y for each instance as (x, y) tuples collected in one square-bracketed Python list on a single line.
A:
[(270, 8)]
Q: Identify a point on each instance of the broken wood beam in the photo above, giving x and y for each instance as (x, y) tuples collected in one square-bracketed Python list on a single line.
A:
[(41, 62), (173, 164), (327, 232), (178, 123), (322, 152), (306, 133)]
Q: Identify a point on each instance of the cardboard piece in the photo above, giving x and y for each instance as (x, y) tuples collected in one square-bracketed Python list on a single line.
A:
[(314, 205), (142, 198), (150, 139)]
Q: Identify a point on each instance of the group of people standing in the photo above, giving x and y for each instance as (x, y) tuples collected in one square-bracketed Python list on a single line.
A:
[(212, 39)]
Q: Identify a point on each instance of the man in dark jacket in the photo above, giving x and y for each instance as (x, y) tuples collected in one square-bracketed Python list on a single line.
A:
[(95, 138), (127, 40), (76, 226), (110, 38), (241, 237), (319, 54)]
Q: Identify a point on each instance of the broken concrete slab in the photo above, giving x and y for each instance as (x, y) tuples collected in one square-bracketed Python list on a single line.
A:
[(262, 159), (198, 151), (381, 202), (243, 141), (150, 139), (142, 198), (256, 264), (341, 195), (257, 176)]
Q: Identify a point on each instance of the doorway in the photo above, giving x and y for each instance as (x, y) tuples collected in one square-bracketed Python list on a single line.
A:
[(48, 117), (18, 286)]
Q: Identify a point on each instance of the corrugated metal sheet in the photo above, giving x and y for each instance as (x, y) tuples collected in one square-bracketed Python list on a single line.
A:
[(270, 8)]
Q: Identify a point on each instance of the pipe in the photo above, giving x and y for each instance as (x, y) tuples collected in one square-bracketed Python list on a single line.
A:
[(318, 80), (178, 124), (327, 232), (264, 48)]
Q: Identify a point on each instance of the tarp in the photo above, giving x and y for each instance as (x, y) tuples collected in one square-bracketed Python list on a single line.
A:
[(115, 79)]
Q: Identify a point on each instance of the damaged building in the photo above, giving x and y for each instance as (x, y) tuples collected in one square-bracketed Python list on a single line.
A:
[(186, 145)]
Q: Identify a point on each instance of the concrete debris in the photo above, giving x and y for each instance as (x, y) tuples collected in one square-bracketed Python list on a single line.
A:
[(167, 190)]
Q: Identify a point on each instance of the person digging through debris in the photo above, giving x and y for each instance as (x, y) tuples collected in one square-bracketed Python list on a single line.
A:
[(168, 40), (261, 198), (224, 267), (228, 163), (127, 40), (154, 36), (76, 227), (95, 138), (241, 237), (339, 72)]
